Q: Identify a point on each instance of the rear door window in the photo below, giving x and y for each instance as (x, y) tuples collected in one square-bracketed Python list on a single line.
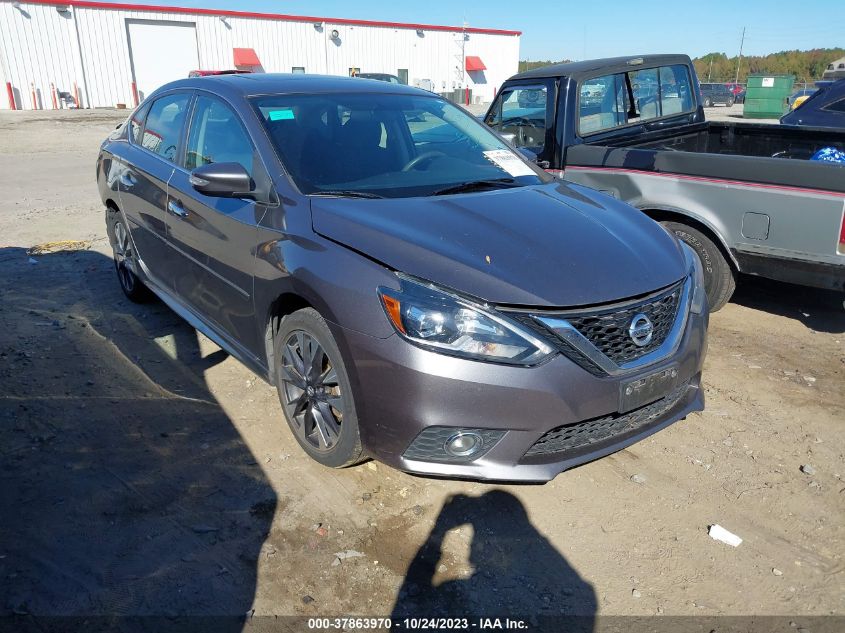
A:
[(136, 123), (836, 106), (164, 125), (620, 99), (522, 111)]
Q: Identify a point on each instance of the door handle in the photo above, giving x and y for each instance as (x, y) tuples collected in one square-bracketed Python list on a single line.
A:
[(174, 207)]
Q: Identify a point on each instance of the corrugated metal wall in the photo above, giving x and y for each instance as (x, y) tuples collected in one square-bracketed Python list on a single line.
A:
[(88, 47)]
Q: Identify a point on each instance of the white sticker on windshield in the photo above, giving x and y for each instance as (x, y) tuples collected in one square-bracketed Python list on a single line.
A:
[(510, 162)]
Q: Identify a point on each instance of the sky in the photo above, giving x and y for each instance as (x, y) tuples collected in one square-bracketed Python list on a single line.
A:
[(584, 30)]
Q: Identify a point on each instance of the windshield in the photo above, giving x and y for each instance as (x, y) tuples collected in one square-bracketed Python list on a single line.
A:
[(385, 144)]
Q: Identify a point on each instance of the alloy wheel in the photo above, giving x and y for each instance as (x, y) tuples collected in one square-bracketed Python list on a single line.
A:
[(122, 253), (312, 397)]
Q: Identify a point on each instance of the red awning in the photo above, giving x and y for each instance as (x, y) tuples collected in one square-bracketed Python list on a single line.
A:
[(246, 57), (475, 63)]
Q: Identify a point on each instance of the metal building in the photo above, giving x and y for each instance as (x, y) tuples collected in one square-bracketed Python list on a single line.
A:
[(101, 54)]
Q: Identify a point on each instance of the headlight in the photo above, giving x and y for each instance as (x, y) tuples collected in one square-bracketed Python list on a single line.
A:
[(448, 324), (698, 303)]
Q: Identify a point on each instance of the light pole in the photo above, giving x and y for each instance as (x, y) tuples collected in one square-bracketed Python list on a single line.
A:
[(739, 61)]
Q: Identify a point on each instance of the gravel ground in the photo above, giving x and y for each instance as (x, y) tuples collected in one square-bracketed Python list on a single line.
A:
[(145, 472)]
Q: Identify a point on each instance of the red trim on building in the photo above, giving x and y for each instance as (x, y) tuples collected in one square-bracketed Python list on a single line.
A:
[(246, 57), (474, 63), (89, 4)]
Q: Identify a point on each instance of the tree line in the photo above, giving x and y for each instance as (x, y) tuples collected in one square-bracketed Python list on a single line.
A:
[(806, 66), (803, 65)]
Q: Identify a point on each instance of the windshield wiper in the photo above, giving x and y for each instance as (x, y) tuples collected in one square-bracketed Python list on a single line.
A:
[(473, 185), (346, 194)]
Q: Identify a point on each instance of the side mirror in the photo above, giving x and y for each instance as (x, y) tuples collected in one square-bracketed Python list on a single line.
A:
[(222, 180)]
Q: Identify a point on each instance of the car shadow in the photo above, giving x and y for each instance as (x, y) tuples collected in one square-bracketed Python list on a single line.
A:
[(819, 310), (125, 489), (512, 570)]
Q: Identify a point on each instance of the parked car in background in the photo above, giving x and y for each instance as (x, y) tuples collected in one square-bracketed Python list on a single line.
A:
[(744, 196), (824, 108), (716, 94), (799, 96), (432, 300), (391, 79)]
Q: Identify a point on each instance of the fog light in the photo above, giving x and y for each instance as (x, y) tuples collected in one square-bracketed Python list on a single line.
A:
[(463, 444)]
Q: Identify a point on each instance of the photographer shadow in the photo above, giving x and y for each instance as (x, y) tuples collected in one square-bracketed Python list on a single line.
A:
[(513, 570)]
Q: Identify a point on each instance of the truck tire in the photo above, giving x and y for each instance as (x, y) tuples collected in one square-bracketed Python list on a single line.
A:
[(719, 276), (708, 103)]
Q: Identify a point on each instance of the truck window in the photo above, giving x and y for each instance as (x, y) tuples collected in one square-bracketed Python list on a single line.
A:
[(625, 98), (521, 111)]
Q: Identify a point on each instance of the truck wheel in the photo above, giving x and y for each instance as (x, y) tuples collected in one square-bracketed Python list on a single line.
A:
[(708, 103), (719, 277), (315, 391)]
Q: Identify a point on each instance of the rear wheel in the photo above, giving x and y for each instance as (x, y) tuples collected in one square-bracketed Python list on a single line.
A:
[(125, 259), (719, 277), (314, 390)]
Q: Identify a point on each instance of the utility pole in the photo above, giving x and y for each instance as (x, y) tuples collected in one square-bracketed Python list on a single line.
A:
[(739, 61), (710, 72)]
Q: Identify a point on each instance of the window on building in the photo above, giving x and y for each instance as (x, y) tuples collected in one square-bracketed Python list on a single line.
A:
[(217, 136), (298, 70), (164, 125), (403, 75)]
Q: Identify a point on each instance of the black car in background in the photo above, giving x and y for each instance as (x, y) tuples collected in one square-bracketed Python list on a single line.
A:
[(716, 94), (824, 108)]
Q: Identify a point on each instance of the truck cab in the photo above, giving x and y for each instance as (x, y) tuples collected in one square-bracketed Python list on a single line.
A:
[(747, 197)]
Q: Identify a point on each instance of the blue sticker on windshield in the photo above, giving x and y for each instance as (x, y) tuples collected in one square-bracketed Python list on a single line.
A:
[(281, 115)]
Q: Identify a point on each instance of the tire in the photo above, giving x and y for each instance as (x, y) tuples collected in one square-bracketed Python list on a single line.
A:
[(731, 102), (125, 258), (719, 276), (708, 103), (317, 400)]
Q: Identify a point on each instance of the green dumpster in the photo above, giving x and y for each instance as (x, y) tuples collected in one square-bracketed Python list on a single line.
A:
[(765, 96)]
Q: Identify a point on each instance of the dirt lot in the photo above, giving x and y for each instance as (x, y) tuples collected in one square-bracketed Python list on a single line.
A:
[(145, 472)]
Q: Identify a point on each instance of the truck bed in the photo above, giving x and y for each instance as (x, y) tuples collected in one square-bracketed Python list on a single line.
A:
[(771, 154)]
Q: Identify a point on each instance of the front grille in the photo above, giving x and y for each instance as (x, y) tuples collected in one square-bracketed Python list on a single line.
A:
[(592, 432), (608, 329)]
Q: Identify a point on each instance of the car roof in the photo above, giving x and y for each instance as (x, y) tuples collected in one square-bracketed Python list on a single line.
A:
[(610, 64), (247, 85)]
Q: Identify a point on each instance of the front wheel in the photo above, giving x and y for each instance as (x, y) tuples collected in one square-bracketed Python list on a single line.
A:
[(719, 277), (315, 391)]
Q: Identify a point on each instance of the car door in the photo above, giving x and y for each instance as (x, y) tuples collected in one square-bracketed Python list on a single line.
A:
[(214, 238), (147, 167)]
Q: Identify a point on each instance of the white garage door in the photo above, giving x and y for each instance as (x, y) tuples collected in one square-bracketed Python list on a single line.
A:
[(161, 52)]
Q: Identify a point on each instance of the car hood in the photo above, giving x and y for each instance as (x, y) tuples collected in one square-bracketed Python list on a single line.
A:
[(548, 245)]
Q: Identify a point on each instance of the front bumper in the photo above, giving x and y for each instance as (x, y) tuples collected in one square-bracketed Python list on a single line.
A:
[(402, 389)]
